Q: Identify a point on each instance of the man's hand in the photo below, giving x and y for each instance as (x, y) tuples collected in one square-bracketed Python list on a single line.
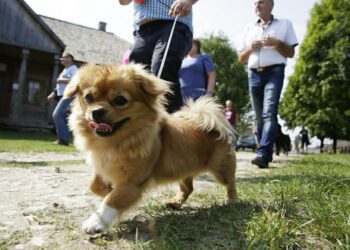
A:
[(181, 7), (51, 96), (125, 2), (256, 45), (283, 48), (270, 41)]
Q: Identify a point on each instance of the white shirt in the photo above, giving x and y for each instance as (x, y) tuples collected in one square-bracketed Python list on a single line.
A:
[(281, 29), (67, 73)]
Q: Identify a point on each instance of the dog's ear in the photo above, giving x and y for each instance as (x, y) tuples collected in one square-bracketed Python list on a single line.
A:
[(150, 84), (72, 87), (154, 86)]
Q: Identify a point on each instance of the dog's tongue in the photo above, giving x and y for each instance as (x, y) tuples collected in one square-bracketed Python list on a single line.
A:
[(100, 126)]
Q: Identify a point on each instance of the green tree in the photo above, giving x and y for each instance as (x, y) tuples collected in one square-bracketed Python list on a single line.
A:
[(231, 75), (318, 93)]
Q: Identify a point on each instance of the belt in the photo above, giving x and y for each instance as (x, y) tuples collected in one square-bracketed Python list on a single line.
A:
[(261, 69)]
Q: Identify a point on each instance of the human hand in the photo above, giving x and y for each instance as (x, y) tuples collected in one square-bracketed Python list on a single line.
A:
[(50, 96), (256, 45), (181, 7), (270, 41)]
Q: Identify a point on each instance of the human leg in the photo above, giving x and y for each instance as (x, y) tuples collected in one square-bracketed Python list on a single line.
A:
[(273, 82), (143, 46), (60, 116), (180, 44), (256, 91)]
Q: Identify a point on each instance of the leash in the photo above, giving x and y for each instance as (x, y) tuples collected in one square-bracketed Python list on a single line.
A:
[(167, 48)]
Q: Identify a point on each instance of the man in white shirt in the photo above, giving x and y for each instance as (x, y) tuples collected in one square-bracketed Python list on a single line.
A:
[(265, 46), (62, 110)]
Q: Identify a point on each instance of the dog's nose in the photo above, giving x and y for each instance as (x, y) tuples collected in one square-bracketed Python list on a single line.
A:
[(98, 114)]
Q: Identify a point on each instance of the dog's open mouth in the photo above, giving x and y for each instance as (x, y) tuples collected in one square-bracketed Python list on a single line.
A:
[(104, 129)]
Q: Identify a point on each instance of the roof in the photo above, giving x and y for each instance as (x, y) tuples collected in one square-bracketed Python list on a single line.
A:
[(88, 44), (20, 26)]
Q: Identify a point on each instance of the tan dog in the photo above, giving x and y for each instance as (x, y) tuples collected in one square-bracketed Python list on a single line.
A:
[(119, 121)]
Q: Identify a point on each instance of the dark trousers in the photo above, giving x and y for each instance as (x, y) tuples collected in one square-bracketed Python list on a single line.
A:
[(149, 47)]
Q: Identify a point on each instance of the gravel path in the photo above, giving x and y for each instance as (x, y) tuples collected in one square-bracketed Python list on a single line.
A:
[(43, 206)]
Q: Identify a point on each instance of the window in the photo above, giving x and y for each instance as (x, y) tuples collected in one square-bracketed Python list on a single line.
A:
[(34, 93)]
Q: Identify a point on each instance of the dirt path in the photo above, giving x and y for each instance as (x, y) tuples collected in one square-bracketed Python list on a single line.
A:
[(44, 206)]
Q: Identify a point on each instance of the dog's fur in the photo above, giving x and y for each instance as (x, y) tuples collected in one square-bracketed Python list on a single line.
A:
[(119, 121), (283, 142)]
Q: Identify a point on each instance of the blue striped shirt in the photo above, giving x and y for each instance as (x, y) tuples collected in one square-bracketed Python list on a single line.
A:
[(157, 9)]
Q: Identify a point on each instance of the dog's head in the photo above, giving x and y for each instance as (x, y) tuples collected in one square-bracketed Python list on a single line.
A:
[(112, 97)]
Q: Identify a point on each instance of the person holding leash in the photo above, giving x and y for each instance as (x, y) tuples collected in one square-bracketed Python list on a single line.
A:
[(153, 22), (266, 44)]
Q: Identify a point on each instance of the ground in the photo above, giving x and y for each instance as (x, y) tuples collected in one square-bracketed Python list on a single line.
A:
[(42, 205)]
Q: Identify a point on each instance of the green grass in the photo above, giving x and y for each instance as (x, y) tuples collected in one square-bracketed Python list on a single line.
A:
[(305, 205), (38, 142)]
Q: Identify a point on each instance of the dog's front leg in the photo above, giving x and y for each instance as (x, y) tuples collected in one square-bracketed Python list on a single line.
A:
[(99, 221), (117, 201)]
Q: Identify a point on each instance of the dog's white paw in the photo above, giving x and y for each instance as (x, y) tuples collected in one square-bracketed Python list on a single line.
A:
[(99, 221), (94, 224)]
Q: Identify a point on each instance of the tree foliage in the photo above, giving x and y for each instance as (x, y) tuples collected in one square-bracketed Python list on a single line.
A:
[(318, 94), (231, 75)]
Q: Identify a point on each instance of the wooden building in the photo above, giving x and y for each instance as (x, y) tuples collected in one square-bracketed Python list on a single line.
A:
[(30, 48)]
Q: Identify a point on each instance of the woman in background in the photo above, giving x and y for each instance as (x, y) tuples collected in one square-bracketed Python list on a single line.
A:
[(197, 73)]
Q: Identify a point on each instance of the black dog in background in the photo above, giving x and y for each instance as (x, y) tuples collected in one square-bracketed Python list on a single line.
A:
[(283, 142)]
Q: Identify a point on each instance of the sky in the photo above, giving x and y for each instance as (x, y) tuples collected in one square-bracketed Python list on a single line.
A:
[(209, 16)]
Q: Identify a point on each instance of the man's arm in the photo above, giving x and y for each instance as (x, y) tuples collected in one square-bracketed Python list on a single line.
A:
[(125, 2), (283, 48), (244, 55)]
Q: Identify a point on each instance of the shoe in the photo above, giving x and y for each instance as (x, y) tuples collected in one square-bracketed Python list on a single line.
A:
[(260, 162), (60, 142)]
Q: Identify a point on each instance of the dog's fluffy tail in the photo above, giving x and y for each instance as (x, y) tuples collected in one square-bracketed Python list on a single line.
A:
[(207, 115)]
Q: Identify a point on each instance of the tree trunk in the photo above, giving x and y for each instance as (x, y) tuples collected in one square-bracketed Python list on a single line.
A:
[(322, 145)]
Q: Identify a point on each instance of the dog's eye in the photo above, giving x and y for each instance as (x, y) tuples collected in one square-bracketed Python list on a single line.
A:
[(120, 101), (89, 98)]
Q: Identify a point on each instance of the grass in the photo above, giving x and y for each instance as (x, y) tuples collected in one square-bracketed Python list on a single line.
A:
[(305, 205), (38, 142)]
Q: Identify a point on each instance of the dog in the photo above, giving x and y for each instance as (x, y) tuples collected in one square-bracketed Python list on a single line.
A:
[(119, 122), (283, 142)]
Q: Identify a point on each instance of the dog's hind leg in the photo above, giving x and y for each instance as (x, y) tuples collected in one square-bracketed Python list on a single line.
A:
[(185, 189), (226, 174), (98, 187)]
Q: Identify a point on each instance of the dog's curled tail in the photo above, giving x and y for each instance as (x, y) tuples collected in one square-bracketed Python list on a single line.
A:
[(207, 115)]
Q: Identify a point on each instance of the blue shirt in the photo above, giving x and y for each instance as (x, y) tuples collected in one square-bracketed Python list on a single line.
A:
[(194, 75), (157, 9)]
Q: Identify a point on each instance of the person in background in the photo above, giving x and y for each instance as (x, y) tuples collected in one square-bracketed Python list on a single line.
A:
[(153, 22), (62, 110), (231, 114), (197, 73), (266, 44), (304, 134), (126, 57)]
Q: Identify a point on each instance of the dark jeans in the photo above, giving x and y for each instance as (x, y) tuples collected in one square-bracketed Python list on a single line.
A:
[(149, 47), (265, 90)]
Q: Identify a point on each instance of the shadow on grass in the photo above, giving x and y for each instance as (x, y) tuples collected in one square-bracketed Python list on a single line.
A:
[(219, 226), (25, 164)]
